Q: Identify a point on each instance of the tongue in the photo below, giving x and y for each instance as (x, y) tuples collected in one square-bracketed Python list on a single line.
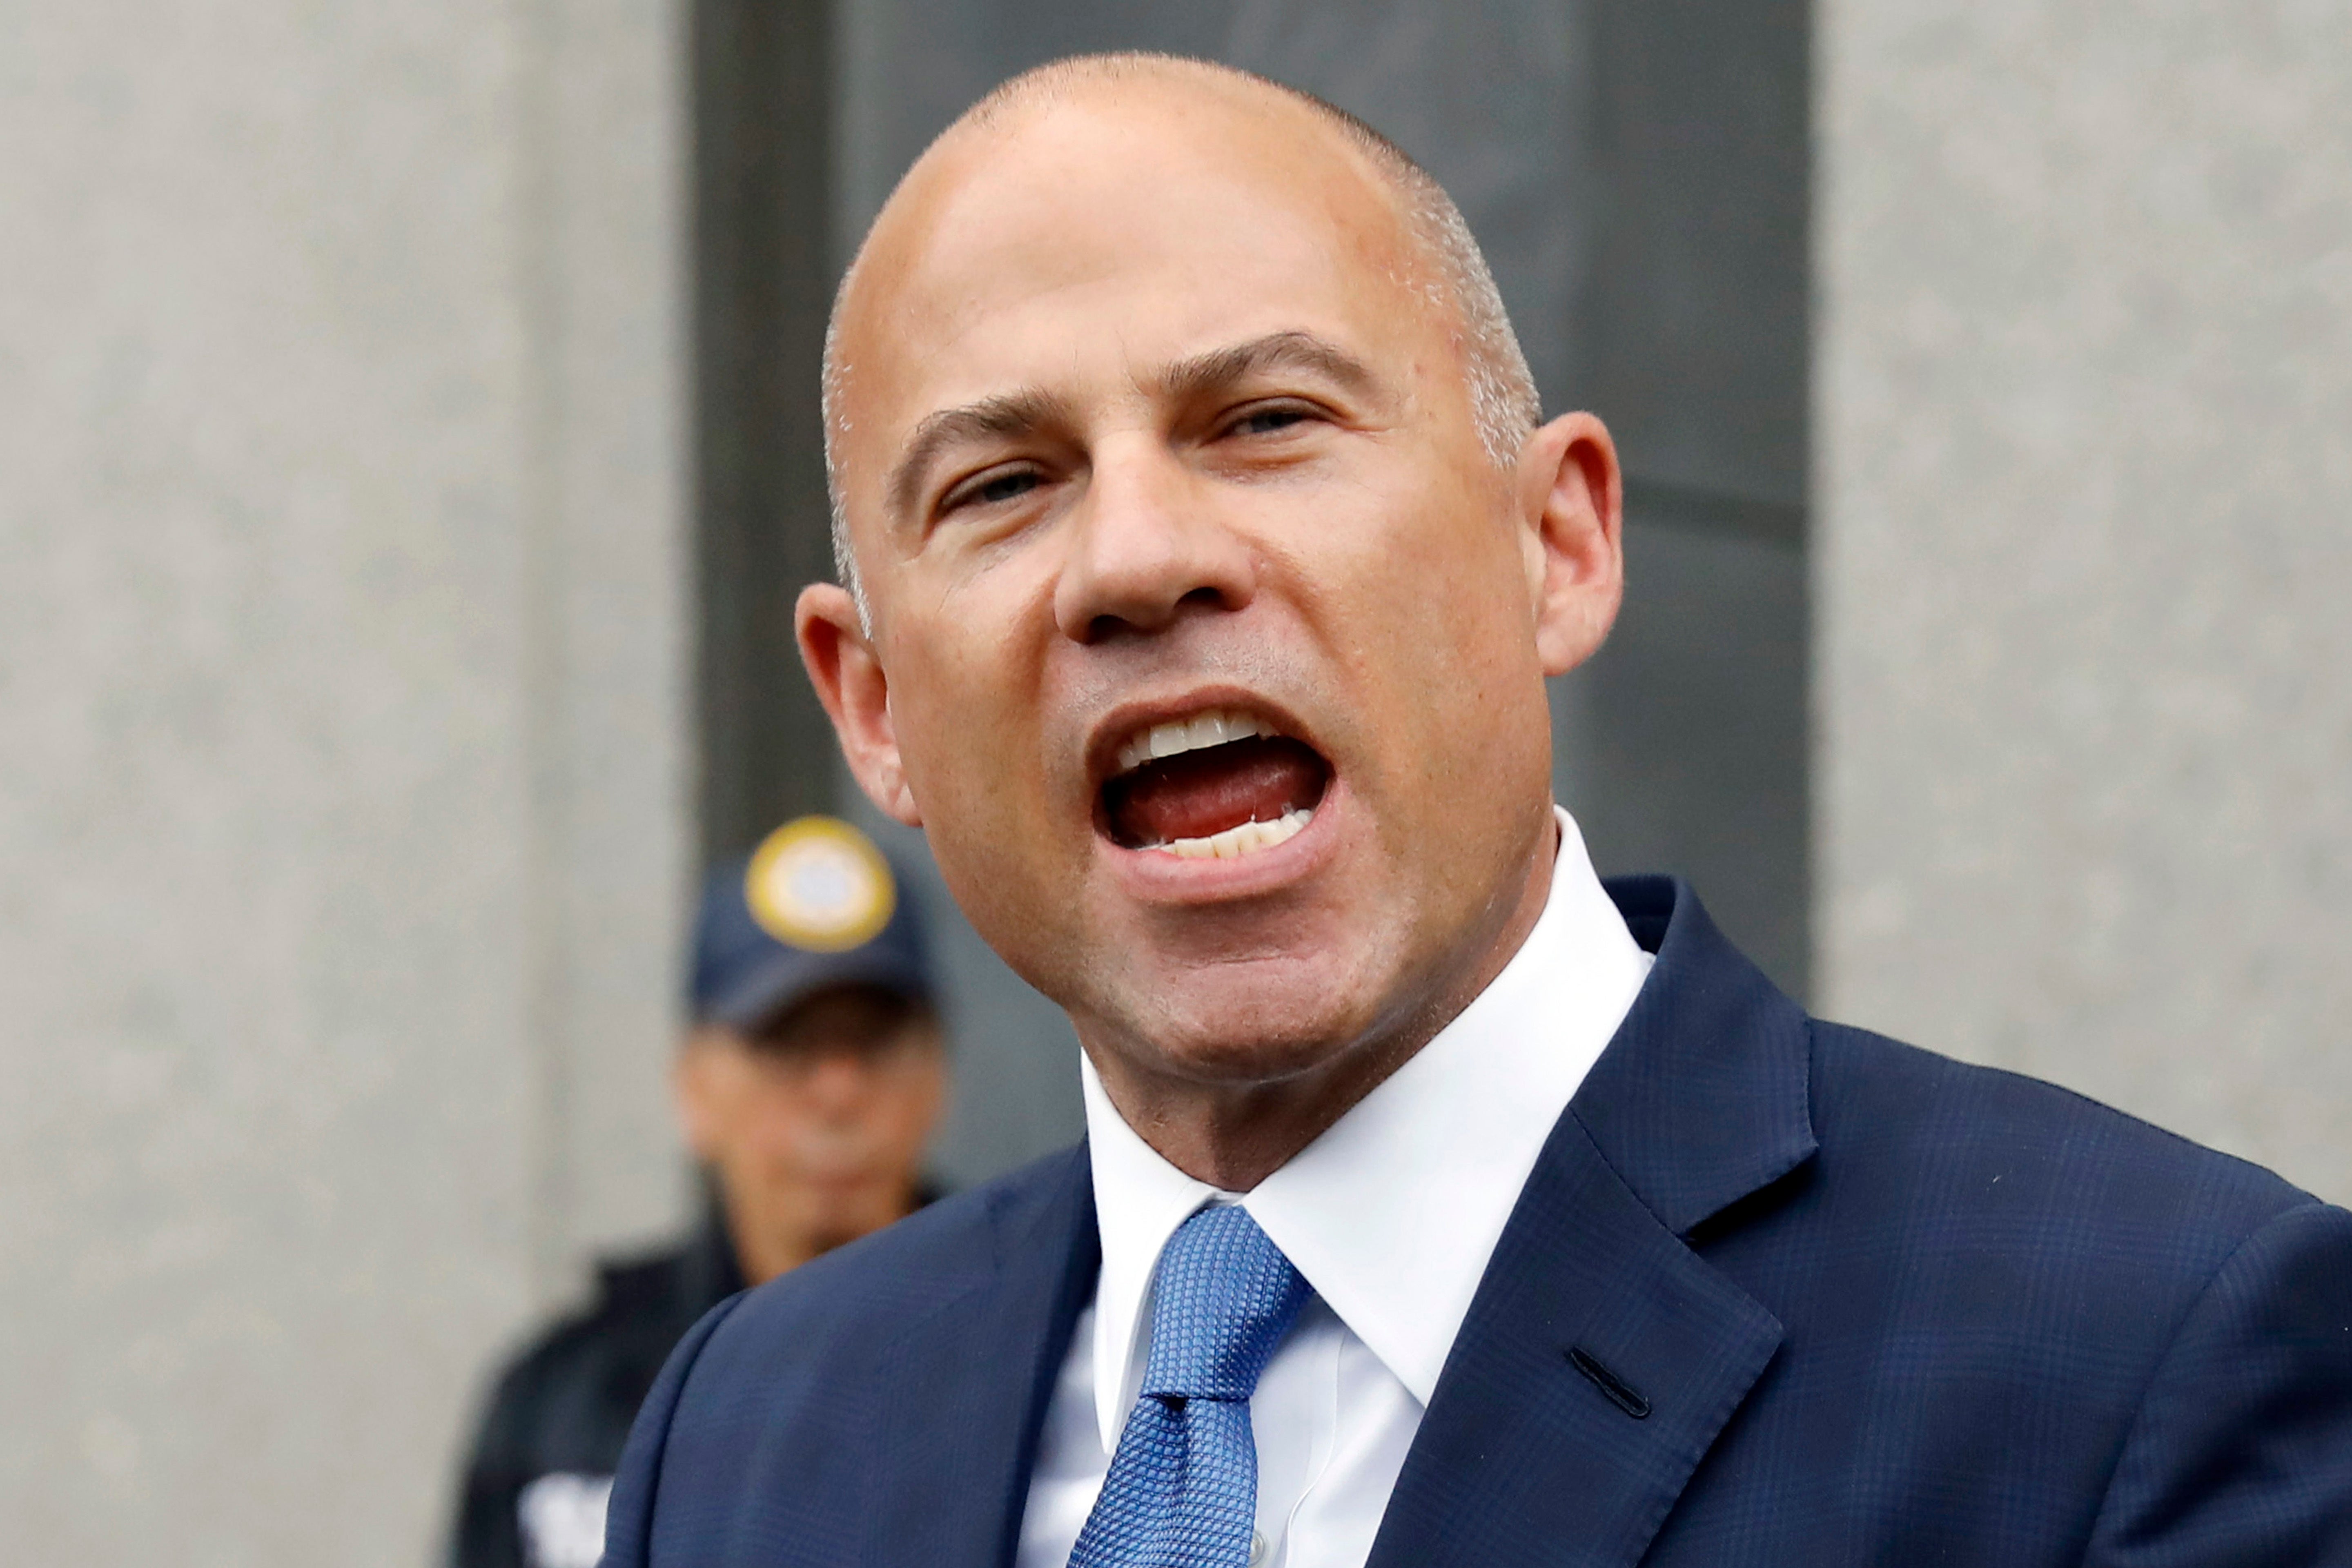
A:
[(1196, 794)]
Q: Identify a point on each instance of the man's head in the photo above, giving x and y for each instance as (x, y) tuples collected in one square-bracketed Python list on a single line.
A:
[(815, 1072), (1160, 398)]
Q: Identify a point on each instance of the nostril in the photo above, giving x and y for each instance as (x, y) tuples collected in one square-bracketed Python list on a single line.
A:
[(1110, 624)]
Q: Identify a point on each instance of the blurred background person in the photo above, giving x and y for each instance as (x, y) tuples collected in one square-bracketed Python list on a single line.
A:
[(808, 1086)]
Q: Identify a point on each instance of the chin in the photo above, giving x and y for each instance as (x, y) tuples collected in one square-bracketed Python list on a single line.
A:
[(1261, 1029), (843, 1224)]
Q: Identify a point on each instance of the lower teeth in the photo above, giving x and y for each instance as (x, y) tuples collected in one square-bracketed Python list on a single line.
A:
[(1235, 842)]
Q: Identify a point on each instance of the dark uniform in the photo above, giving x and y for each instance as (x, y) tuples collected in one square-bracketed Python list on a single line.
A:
[(552, 1431), (818, 905)]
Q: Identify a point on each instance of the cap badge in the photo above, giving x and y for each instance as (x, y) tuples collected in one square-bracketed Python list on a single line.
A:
[(819, 884)]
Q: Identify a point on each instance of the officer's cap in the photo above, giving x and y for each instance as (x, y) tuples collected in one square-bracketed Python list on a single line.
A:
[(817, 905)]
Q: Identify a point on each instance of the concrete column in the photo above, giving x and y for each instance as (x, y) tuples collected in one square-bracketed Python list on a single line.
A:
[(342, 756), (2084, 692)]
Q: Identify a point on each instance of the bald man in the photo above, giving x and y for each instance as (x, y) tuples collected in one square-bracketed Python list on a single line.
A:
[(1203, 555)]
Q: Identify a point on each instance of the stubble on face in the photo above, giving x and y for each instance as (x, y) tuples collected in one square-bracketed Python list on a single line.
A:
[(1328, 550)]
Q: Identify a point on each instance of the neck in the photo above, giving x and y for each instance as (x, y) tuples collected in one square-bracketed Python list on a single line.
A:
[(1234, 1136), (767, 1245)]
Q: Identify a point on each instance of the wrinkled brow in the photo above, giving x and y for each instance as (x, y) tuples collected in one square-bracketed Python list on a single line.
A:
[(1187, 380)]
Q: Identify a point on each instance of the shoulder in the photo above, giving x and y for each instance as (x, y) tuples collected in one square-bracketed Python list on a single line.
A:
[(2045, 1172), (1871, 1094), (569, 1346), (2174, 1323), (767, 1412), (585, 1371), (869, 1292)]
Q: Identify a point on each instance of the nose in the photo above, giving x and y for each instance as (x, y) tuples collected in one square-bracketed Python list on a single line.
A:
[(837, 1081), (1146, 542)]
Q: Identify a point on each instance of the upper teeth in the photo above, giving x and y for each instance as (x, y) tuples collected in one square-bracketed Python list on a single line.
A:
[(1212, 729)]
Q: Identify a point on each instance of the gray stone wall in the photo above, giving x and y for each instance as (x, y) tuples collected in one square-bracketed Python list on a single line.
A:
[(2085, 468), (341, 763)]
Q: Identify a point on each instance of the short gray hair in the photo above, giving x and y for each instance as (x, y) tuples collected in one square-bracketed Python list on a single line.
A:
[(1503, 398)]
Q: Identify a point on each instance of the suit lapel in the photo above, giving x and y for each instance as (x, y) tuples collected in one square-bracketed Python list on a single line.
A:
[(1601, 1356), (1526, 1457), (970, 1385)]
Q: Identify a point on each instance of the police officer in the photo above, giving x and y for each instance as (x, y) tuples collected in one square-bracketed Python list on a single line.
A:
[(808, 1086)]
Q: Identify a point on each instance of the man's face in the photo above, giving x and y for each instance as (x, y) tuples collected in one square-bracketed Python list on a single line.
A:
[(1156, 435), (815, 1125)]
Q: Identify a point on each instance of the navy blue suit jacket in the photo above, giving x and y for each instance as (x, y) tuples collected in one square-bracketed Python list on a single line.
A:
[(1778, 1292)]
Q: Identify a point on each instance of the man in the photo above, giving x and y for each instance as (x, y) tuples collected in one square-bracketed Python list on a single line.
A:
[(1204, 562), (808, 1086)]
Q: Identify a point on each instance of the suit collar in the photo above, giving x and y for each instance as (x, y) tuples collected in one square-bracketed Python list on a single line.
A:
[(1703, 1096), (1392, 1213), (1601, 1356)]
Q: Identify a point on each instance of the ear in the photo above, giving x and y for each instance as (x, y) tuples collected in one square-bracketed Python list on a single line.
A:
[(856, 690), (1571, 498), (691, 1080)]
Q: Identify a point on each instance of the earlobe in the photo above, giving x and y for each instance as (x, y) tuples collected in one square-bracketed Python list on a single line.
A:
[(855, 689), (1572, 495)]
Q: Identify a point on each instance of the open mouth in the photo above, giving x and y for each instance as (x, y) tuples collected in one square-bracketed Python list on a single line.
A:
[(1220, 784)]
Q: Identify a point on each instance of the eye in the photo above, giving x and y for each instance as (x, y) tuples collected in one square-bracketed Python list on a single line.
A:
[(991, 489), (1004, 487), (1271, 419)]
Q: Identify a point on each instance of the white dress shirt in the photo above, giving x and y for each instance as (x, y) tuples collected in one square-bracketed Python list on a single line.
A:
[(1391, 1215)]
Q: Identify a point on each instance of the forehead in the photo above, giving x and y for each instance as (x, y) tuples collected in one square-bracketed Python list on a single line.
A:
[(1091, 235)]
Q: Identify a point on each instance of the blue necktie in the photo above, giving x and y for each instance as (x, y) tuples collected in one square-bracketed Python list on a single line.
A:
[(1183, 1487)]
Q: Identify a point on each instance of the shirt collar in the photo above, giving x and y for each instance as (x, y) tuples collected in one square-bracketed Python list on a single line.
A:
[(1392, 1213)]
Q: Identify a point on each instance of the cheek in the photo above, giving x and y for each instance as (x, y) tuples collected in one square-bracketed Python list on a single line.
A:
[(775, 1126), (963, 700), (974, 738), (1435, 636), (907, 1121), (1434, 611)]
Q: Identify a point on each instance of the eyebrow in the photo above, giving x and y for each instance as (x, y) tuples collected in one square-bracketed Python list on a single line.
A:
[(1219, 369), (1187, 380), (1011, 414)]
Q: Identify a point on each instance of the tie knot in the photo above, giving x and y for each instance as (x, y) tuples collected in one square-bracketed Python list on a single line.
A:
[(1223, 1297)]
